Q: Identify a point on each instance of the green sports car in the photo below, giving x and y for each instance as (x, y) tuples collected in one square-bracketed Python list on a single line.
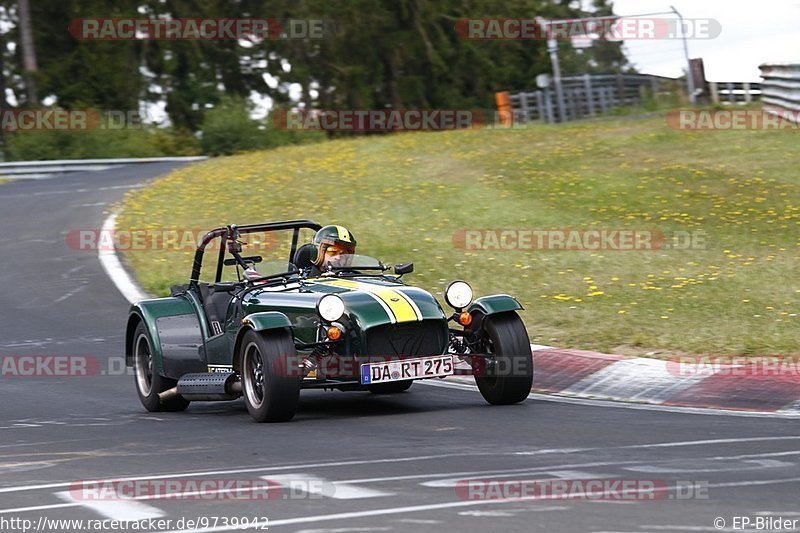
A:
[(265, 326)]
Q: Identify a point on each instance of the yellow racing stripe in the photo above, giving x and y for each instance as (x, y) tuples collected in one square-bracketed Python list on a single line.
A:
[(398, 303)]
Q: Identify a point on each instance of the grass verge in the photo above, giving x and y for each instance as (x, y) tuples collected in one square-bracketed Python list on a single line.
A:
[(405, 196)]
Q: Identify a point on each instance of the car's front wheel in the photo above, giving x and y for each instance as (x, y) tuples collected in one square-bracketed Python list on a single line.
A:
[(271, 391), (148, 381), (508, 376)]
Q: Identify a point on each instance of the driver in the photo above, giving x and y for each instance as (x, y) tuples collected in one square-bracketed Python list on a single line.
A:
[(335, 247)]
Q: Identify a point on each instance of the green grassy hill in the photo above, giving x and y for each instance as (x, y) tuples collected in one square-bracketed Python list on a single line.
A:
[(405, 196)]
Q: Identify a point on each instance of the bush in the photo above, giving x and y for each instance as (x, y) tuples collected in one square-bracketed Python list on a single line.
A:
[(228, 129), (100, 143)]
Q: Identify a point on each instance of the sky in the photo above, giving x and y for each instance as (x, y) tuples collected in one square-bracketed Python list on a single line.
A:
[(752, 33)]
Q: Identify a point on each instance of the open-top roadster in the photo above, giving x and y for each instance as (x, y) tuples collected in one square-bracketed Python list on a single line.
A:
[(265, 329)]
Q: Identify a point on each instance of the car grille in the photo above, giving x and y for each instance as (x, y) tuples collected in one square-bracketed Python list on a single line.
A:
[(428, 337)]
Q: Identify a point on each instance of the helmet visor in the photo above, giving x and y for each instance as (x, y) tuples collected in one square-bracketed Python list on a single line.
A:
[(338, 255)]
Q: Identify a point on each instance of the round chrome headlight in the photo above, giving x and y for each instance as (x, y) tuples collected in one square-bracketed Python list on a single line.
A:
[(458, 294), (330, 307)]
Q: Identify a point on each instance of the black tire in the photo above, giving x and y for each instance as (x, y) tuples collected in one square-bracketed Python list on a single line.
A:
[(510, 380), (391, 388), (148, 382), (271, 391)]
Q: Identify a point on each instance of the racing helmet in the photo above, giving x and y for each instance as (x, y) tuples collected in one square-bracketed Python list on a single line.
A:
[(330, 235)]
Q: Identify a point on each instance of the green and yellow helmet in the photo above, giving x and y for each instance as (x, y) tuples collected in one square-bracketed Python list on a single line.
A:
[(330, 235)]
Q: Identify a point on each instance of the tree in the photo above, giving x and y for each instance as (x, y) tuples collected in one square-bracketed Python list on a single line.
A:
[(28, 51)]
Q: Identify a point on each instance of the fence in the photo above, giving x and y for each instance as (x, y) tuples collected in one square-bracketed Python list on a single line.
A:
[(733, 92), (592, 95), (586, 96), (781, 88)]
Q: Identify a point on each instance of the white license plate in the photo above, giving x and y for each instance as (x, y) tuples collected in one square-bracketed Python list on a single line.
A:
[(402, 369)]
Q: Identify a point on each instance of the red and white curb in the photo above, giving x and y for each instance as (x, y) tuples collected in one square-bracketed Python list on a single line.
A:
[(596, 376)]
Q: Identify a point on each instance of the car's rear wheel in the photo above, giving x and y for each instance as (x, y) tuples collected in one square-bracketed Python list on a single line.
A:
[(148, 381), (507, 379), (391, 388), (271, 390)]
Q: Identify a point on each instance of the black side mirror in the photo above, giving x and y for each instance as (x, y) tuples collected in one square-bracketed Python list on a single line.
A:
[(404, 268)]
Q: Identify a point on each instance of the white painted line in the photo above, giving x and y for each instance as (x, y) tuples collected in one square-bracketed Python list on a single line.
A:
[(727, 466), (792, 408), (115, 509), (337, 490), (689, 528), (451, 383), (69, 294), (113, 267), (345, 530), (37, 508), (455, 505), (22, 488), (556, 472), (446, 477), (167, 496), (712, 441), (515, 471)]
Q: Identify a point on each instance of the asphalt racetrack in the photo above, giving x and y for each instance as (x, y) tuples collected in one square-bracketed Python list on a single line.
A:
[(436, 458)]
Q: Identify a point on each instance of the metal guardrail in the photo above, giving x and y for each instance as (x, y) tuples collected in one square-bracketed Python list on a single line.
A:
[(781, 88), (45, 169)]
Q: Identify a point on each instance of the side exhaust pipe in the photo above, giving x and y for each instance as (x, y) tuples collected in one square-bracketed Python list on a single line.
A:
[(168, 394), (215, 386)]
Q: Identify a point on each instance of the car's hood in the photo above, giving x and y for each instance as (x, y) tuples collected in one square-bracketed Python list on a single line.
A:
[(382, 301)]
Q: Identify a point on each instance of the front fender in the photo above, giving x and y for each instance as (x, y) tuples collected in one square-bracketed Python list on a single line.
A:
[(267, 320), (496, 303), (263, 321)]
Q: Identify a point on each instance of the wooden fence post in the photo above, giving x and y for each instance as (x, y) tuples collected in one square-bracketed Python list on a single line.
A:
[(587, 84), (548, 102), (540, 106), (601, 92), (712, 87), (523, 104)]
